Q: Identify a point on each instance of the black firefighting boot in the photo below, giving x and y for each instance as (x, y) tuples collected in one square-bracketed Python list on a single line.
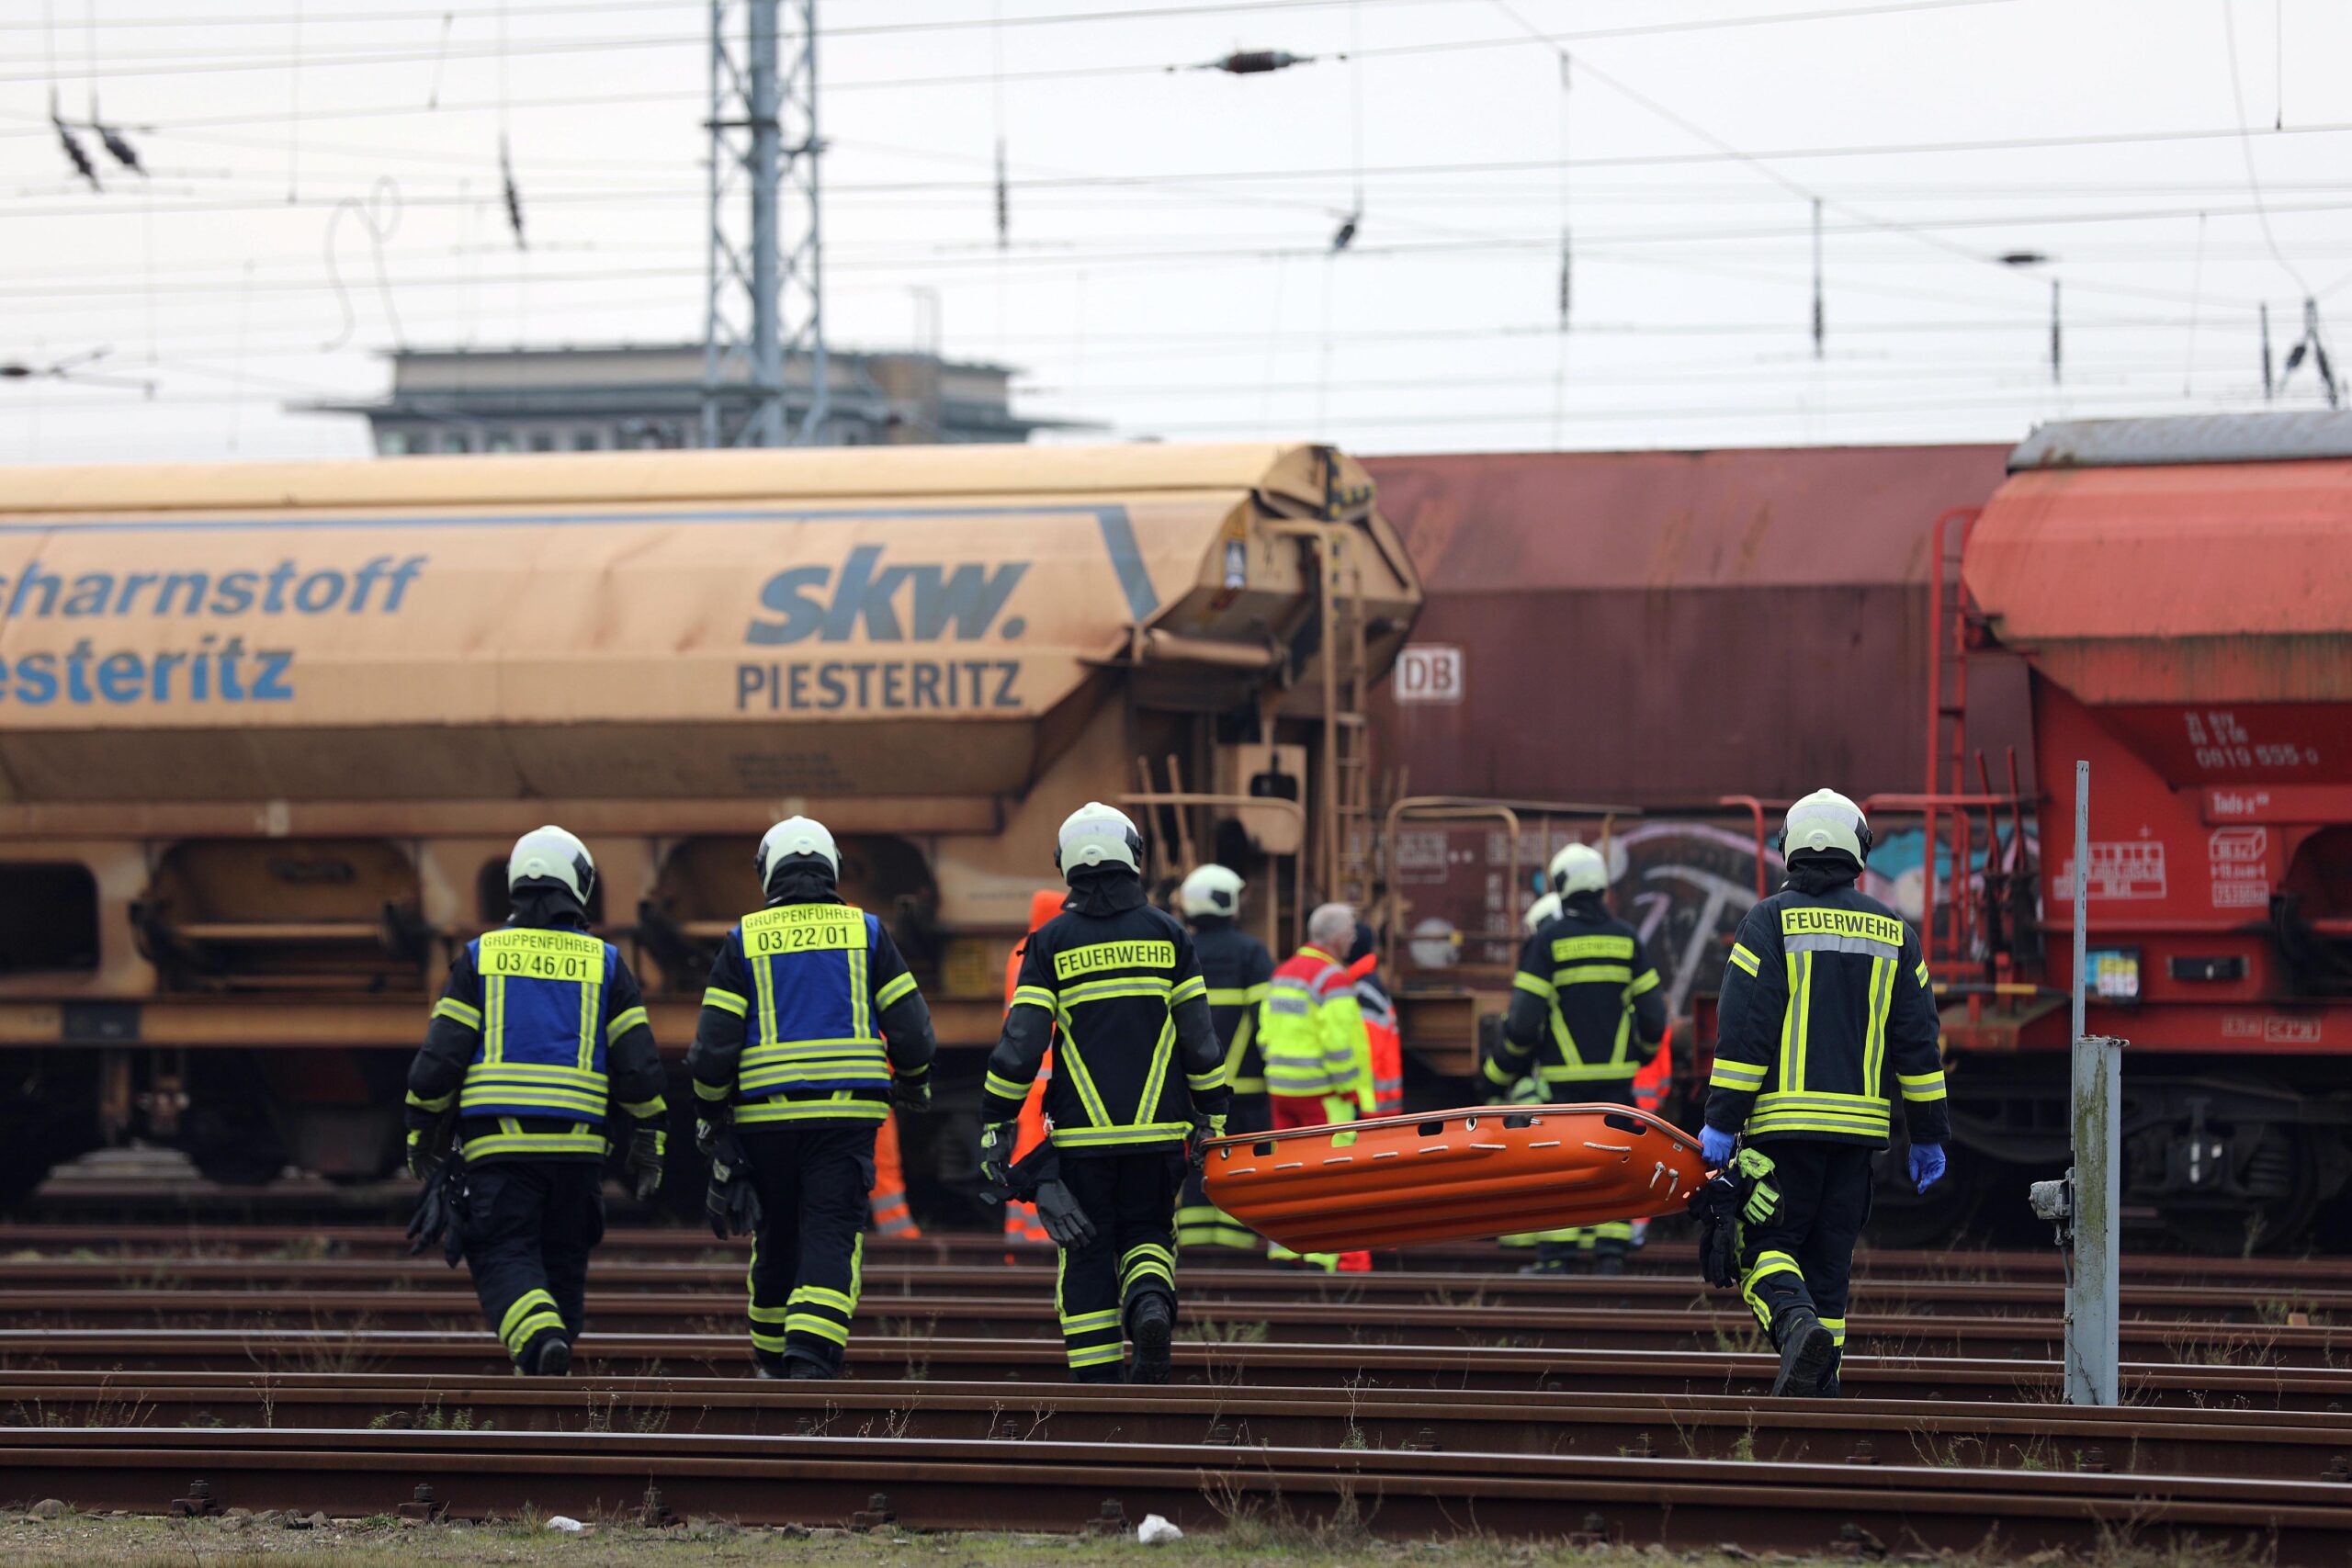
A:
[(810, 1369), (1151, 1324), (769, 1366), (549, 1356), (1808, 1350)]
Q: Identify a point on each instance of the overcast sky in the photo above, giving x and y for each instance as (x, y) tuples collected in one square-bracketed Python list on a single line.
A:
[(1169, 273)]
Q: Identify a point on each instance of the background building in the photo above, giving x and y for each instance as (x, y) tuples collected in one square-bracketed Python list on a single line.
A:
[(622, 397)]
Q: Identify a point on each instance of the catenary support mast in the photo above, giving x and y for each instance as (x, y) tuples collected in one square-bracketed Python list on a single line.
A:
[(764, 331)]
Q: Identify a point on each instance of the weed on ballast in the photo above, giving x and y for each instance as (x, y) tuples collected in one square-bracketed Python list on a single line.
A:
[(1212, 1331)]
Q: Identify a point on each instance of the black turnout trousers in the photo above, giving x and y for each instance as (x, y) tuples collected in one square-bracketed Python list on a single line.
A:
[(1807, 1258), (529, 1226), (1131, 1197), (813, 1179)]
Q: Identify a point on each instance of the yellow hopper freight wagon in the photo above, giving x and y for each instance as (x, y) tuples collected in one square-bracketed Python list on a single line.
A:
[(267, 732)]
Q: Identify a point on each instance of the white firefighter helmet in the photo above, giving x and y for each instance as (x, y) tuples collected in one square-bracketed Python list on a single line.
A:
[(1826, 823), (1097, 835), (1211, 891), (1541, 913), (551, 854), (794, 837), (1579, 868)]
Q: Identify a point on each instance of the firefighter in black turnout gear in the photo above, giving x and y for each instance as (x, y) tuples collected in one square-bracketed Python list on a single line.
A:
[(540, 1026), (1137, 1074), (1237, 970), (811, 1029), (1826, 998), (1586, 1013)]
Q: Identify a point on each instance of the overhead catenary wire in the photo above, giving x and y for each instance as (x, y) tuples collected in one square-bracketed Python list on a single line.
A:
[(1130, 253), (180, 64), (2195, 299), (294, 112), (2245, 146)]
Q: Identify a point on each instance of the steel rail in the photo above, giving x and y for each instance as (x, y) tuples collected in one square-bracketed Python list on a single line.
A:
[(1030, 1313), (1024, 1364), (688, 1244), (965, 1484), (2283, 1445), (1232, 1288)]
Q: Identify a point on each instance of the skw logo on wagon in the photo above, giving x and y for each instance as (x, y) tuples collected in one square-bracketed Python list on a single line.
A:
[(926, 603)]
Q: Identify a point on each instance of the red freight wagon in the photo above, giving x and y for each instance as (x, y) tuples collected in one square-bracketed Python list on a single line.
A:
[(1664, 628), (2181, 590)]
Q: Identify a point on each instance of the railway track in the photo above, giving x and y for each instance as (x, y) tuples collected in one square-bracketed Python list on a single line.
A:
[(1037, 1361), (965, 1483), (1029, 1314), (23, 1242), (2285, 1306), (306, 1370), (2279, 1445)]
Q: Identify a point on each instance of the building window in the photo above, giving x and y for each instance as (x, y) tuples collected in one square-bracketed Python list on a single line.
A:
[(543, 441), (587, 440), (499, 441), (457, 441), (395, 443)]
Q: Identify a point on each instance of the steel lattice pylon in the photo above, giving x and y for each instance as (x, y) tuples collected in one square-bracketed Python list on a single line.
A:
[(765, 273)]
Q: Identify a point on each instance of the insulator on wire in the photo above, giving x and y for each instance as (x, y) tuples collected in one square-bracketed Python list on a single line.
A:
[(1003, 200), (514, 196), (124, 152), (74, 154), (1346, 234), (1257, 61)]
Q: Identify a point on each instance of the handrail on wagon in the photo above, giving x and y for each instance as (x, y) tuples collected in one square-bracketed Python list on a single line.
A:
[(1461, 808), (1756, 817), (1249, 802)]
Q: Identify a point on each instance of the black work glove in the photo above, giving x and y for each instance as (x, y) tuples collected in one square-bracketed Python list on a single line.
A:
[(428, 1145), (730, 1203), (1205, 1130), (912, 1091), (714, 1119), (431, 1216), (643, 1165), (1065, 1221), (440, 1214), (996, 1150), (733, 1206)]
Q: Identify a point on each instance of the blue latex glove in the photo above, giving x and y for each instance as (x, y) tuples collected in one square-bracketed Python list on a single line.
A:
[(1926, 1165), (1715, 1148)]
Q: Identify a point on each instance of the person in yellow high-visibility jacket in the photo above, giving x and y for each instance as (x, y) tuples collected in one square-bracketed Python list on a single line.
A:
[(1319, 1059)]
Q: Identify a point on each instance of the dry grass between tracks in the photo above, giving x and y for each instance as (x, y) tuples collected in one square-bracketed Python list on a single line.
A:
[(381, 1543)]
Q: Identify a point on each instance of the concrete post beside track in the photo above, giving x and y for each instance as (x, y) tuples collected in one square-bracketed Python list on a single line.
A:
[(2093, 1313)]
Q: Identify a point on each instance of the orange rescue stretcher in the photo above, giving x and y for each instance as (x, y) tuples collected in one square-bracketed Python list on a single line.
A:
[(1452, 1176)]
